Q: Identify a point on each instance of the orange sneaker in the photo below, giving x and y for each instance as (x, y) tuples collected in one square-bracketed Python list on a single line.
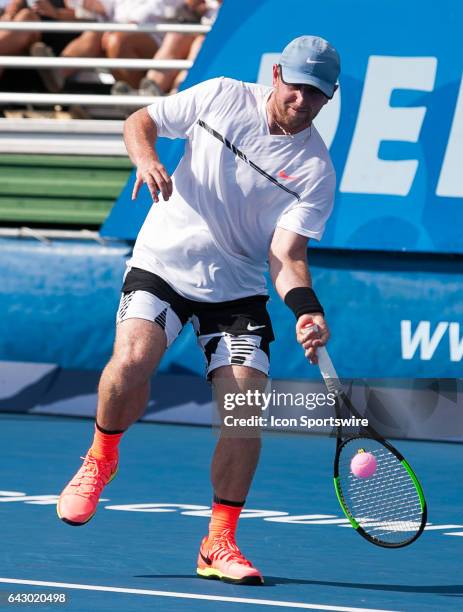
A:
[(78, 502), (223, 560)]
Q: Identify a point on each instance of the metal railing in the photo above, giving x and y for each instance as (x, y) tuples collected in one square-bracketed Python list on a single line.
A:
[(22, 99), (23, 62), (26, 61), (46, 236), (90, 26), (83, 142)]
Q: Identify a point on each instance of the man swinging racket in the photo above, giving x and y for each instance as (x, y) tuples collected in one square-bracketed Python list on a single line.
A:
[(254, 184)]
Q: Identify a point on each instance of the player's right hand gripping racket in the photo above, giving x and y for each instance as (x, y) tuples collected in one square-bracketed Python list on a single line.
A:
[(384, 502)]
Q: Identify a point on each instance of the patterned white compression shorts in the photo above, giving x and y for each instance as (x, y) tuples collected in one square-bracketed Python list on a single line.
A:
[(237, 332)]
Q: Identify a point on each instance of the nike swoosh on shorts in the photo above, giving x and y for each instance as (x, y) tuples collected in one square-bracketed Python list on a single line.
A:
[(254, 327)]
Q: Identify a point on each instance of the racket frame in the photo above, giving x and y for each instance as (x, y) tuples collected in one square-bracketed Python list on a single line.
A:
[(333, 385)]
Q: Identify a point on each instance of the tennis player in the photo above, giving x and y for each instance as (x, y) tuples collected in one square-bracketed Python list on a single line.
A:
[(254, 184)]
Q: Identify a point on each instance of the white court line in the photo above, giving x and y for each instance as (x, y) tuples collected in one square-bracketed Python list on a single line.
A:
[(241, 600), (436, 527)]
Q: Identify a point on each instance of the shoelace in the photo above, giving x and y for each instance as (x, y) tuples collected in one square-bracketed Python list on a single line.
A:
[(92, 476), (224, 548)]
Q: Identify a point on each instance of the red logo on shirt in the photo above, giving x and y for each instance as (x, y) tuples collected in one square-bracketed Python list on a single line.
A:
[(282, 174)]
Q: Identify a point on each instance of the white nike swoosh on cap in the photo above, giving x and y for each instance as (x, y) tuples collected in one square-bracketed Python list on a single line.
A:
[(254, 327), (310, 61)]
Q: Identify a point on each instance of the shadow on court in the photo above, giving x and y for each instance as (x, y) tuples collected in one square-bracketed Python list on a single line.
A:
[(271, 581)]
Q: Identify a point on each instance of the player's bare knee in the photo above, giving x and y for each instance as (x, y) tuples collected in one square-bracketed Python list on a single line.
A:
[(134, 363), (241, 385)]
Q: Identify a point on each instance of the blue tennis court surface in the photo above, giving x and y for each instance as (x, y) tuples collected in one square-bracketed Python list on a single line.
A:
[(139, 551)]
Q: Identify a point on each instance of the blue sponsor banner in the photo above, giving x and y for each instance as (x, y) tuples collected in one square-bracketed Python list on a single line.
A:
[(389, 318), (58, 301), (394, 128), (424, 408)]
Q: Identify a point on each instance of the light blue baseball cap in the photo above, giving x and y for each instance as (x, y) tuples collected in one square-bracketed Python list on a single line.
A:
[(311, 60)]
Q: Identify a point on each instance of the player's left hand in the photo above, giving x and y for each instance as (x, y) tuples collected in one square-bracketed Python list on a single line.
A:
[(154, 174), (311, 333)]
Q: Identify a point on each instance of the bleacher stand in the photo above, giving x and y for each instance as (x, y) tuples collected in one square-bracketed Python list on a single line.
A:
[(20, 43), (136, 45), (143, 43), (132, 36)]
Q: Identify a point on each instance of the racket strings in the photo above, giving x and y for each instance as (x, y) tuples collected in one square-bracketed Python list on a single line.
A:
[(387, 504)]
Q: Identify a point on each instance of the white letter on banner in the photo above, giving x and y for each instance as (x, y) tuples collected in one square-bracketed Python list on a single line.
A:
[(422, 338), (451, 177), (377, 121), (456, 343)]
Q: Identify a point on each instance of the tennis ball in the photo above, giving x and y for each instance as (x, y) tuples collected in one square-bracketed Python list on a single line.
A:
[(363, 465)]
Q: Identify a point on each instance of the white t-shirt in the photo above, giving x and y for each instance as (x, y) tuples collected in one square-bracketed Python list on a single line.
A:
[(139, 11), (209, 17), (210, 241)]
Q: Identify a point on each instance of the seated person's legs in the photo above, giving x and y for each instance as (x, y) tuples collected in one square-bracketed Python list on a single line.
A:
[(88, 44), (138, 45), (174, 46), (16, 42), (194, 50)]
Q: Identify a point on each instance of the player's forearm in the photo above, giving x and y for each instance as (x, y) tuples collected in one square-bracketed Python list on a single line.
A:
[(288, 273), (292, 280), (140, 134)]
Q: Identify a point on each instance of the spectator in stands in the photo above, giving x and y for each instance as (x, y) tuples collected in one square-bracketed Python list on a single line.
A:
[(135, 45), (179, 46), (19, 43), (3, 5)]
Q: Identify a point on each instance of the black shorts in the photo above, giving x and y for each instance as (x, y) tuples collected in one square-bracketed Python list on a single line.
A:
[(236, 332)]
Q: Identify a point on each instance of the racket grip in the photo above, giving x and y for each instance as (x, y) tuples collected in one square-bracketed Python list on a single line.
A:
[(326, 365), (327, 369)]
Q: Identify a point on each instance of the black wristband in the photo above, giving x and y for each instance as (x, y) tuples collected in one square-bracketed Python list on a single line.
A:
[(302, 300)]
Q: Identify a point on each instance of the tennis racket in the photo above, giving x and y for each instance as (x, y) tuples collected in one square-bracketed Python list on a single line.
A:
[(388, 507)]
